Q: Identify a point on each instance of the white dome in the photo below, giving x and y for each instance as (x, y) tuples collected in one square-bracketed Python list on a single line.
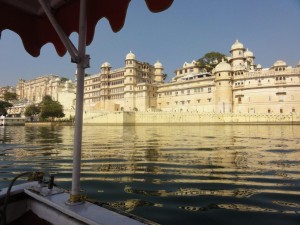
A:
[(279, 63), (237, 45), (222, 66), (158, 65), (248, 53), (106, 64), (259, 66), (130, 55), (57, 79)]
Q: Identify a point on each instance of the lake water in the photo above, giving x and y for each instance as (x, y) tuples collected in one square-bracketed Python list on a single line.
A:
[(210, 175)]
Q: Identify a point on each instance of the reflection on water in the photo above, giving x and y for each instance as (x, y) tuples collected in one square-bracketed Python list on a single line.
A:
[(171, 174)]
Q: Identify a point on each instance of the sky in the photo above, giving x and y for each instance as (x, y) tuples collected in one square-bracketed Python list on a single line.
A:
[(183, 33)]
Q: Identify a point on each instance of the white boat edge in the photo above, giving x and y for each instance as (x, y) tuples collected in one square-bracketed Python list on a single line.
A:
[(51, 206)]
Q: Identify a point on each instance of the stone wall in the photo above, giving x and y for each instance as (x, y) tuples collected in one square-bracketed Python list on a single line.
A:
[(168, 118)]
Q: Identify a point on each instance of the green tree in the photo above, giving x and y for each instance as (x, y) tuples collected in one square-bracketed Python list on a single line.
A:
[(32, 110), (51, 109), (9, 96), (165, 76), (3, 107), (210, 60), (64, 79)]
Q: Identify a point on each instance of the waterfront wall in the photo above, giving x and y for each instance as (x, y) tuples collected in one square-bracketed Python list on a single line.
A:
[(169, 118)]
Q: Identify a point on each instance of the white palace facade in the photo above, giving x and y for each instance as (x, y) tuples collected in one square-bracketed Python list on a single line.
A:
[(236, 85)]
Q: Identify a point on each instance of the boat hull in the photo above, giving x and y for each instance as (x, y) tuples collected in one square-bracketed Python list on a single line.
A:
[(51, 205)]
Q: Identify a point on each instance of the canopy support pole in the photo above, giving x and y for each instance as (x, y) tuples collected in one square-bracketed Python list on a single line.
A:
[(82, 60), (75, 196)]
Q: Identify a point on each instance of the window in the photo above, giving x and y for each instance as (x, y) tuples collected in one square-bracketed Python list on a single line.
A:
[(239, 100), (281, 110), (269, 110), (293, 110)]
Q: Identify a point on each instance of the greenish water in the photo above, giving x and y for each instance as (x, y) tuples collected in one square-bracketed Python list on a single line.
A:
[(229, 174)]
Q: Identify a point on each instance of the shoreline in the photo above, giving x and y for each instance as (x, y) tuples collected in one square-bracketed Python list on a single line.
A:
[(187, 118)]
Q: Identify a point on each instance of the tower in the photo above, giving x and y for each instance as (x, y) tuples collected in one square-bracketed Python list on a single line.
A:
[(105, 68), (158, 72), (130, 81), (249, 64), (237, 59), (223, 88)]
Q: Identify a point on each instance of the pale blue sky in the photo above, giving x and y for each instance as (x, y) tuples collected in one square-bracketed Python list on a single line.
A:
[(186, 31)]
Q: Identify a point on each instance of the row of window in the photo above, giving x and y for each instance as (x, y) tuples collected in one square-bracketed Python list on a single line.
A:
[(281, 110), (186, 70), (107, 98), (112, 83), (188, 91), (259, 81), (110, 76), (187, 101), (280, 69), (280, 98)]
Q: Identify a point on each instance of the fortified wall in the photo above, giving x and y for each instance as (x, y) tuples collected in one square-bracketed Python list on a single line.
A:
[(186, 118)]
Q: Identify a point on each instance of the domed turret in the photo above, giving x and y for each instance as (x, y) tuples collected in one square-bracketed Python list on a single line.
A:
[(106, 64), (130, 56), (248, 53), (158, 65), (237, 45), (259, 67), (279, 63), (158, 72), (298, 66), (238, 58), (222, 67), (105, 68)]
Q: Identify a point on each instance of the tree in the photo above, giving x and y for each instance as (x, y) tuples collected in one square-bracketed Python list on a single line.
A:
[(165, 76), (3, 107), (64, 79), (210, 60), (50, 108), (9, 96), (32, 110)]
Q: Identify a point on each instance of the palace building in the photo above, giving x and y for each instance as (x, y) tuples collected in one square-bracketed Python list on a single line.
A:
[(33, 91), (235, 85)]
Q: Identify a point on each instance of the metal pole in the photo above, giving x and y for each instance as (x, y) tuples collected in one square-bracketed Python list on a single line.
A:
[(75, 196)]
